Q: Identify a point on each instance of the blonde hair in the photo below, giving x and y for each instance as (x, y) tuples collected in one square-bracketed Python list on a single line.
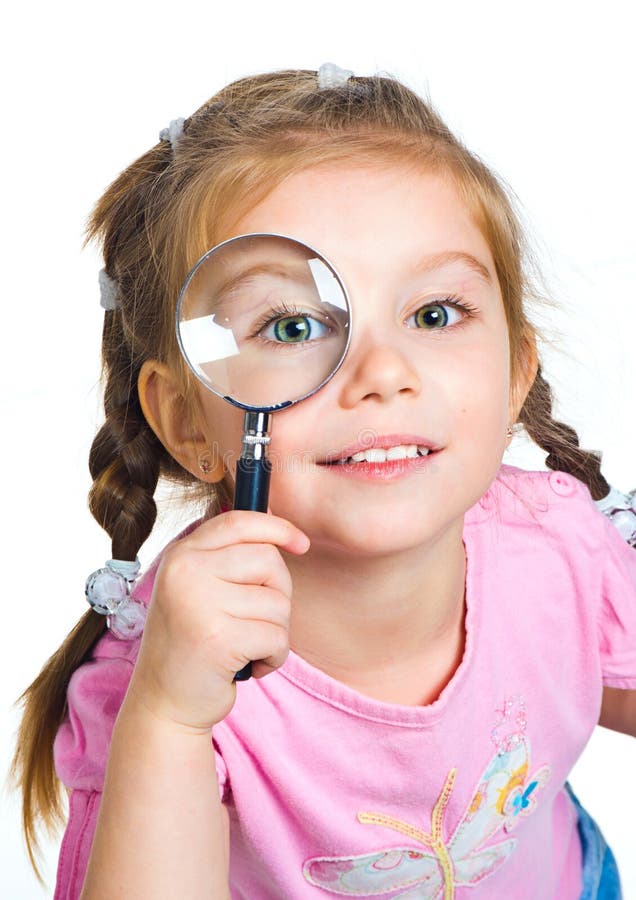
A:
[(156, 219)]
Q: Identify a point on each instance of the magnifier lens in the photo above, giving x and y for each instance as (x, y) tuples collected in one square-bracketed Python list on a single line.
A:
[(263, 320)]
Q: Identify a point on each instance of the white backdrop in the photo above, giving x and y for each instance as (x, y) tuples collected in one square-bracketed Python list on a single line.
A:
[(544, 92)]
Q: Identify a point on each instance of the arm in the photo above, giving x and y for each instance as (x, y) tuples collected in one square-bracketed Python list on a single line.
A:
[(221, 597), (162, 831), (618, 710)]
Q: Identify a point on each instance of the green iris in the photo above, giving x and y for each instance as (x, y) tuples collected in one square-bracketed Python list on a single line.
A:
[(434, 316), (292, 329)]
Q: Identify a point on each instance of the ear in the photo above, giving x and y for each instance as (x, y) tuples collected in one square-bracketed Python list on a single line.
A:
[(166, 411), (525, 375)]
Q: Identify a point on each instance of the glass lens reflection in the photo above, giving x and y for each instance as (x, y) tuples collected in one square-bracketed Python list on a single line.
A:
[(263, 319)]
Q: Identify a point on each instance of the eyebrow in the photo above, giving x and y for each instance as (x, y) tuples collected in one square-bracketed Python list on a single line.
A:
[(439, 260), (235, 280)]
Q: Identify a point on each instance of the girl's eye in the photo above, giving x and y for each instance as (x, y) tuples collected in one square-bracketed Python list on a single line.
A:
[(438, 315), (293, 329)]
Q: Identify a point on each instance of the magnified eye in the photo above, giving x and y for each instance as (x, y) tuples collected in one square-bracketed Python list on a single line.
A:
[(287, 325), (294, 329)]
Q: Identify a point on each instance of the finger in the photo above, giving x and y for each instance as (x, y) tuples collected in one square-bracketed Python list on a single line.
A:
[(256, 603), (260, 668), (254, 564), (248, 527), (262, 642)]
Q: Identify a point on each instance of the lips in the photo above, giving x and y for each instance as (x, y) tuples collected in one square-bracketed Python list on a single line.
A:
[(385, 443)]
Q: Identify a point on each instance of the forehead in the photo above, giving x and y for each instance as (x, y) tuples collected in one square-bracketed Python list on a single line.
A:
[(372, 215)]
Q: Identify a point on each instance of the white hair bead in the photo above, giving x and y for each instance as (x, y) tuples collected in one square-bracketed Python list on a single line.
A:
[(109, 291), (620, 509), (173, 132), (109, 593), (330, 76)]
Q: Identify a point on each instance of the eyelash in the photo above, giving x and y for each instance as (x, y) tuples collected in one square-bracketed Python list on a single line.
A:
[(469, 312)]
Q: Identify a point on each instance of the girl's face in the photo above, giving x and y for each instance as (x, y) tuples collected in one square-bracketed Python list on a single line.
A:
[(401, 240)]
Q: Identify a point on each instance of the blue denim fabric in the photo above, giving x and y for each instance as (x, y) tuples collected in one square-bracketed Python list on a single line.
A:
[(600, 873)]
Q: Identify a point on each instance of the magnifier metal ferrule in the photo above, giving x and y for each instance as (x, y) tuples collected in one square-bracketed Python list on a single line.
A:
[(255, 435)]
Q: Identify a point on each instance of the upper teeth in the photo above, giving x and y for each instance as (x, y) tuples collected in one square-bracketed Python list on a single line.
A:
[(378, 454)]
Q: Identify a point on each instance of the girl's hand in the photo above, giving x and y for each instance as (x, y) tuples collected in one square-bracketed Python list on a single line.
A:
[(221, 598)]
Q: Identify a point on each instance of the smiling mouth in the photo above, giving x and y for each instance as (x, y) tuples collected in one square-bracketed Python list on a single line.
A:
[(381, 455)]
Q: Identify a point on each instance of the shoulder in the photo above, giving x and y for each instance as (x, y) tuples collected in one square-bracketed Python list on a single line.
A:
[(543, 496), (553, 512), (550, 510), (546, 485)]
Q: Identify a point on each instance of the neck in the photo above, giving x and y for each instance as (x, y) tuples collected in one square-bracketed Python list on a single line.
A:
[(362, 620)]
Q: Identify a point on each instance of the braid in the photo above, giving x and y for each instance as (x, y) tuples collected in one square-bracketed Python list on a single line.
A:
[(124, 462), (560, 441)]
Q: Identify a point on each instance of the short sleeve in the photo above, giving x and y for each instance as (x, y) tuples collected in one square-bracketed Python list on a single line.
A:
[(95, 694), (617, 612)]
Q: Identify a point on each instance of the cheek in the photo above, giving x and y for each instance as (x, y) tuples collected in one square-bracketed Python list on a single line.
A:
[(224, 426), (481, 385), (292, 447)]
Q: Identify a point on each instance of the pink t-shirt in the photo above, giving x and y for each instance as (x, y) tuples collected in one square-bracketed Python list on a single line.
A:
[(332, 793)]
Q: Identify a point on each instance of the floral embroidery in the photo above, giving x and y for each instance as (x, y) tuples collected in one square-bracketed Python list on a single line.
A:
[(504, 795), (505, 735)]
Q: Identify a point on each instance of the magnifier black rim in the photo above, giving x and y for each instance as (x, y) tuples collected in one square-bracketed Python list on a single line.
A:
[(186, 284)]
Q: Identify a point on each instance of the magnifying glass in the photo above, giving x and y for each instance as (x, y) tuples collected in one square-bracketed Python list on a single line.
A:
[(263, 321)]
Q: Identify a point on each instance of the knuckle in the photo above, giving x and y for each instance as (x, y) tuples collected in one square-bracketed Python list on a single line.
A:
[(280, 641), (232, 521), (177, 564), (215, 638), (285, 585), (271, 556), (284, 608), (278, 614)]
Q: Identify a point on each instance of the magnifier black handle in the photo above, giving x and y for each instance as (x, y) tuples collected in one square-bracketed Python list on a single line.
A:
[(251, 488), (251, 491)]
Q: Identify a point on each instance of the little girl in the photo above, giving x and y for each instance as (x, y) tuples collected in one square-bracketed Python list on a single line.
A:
[(433, 635)]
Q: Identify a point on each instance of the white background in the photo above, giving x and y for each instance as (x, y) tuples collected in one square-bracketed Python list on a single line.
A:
[(544, 92)]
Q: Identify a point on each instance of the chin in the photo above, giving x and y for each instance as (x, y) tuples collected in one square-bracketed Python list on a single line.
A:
[(376, 539)]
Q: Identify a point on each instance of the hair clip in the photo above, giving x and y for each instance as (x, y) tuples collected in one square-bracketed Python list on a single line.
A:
[(108, 591), (109, 291), (173, 132), (620, 509), (331, 76)]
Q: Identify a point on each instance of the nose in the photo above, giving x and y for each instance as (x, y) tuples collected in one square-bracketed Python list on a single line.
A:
[(377, 372)]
